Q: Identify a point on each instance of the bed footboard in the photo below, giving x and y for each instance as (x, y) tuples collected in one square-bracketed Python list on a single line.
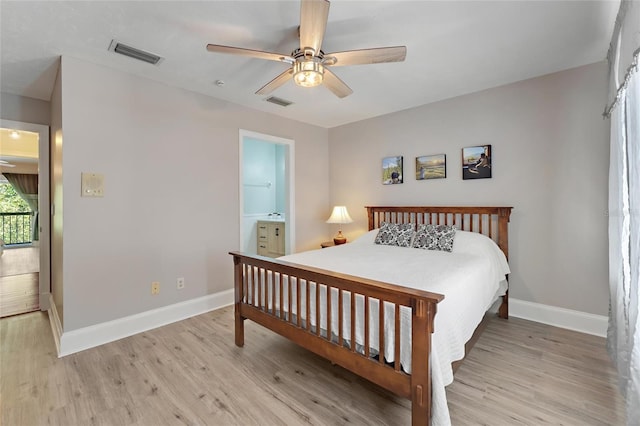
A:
[(353, 322)]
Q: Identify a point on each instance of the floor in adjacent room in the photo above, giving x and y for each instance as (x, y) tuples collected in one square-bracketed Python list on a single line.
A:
[(19, 280)]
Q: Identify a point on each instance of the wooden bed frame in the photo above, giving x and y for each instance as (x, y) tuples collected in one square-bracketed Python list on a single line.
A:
[(255, 292)]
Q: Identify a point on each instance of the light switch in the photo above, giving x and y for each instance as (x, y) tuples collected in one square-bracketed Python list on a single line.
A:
[(92, 185)]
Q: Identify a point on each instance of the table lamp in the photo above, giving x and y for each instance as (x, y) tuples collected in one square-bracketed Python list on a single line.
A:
[(339, 215)]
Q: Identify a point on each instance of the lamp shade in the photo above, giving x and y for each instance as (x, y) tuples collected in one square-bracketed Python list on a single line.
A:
[(339, 215)]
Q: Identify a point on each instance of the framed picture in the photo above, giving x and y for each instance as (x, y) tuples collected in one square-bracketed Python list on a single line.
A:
[(476, 162), (391, 170), (431, 167)]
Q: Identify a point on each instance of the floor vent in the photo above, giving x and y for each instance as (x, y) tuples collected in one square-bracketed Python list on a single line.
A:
[(278, 101), (134, 53)]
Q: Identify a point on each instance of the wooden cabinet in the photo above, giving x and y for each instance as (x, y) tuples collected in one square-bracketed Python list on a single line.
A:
[(271, 238)]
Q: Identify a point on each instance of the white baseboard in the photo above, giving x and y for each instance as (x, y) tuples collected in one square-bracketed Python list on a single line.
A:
[(99, 334), (559, 317)]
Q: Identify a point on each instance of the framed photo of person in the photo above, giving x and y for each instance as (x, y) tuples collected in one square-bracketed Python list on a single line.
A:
[(476, 162)]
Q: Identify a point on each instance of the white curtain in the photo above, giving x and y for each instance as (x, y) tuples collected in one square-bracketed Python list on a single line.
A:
[(623, 107)]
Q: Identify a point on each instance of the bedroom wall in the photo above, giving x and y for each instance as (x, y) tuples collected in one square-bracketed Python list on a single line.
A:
[(550, 162), (170, 207), (28, 110)]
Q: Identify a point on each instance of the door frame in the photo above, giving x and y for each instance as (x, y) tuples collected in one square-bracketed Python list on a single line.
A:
[(289, 179), (44, 205)]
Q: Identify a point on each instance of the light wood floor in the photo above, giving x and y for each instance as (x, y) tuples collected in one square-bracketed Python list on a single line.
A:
[(19, 260), (190, 373), (19, 294), (19, 280)]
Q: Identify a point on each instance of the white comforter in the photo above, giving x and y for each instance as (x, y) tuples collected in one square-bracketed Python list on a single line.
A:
[(471, 277)]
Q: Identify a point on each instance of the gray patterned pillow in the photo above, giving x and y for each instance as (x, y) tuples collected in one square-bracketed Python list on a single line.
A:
[(434, 237), (393, 234)]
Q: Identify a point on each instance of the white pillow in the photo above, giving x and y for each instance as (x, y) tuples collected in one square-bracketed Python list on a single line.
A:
[(474, 243), (367, 238)]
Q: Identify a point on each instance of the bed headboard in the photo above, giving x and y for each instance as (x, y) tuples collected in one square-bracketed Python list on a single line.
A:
[(490, 221)]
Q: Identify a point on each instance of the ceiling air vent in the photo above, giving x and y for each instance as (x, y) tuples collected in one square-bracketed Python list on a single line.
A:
[(278, 101), (134, 53)]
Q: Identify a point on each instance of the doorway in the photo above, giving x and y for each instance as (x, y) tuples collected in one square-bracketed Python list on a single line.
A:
[(266, 189), (24, 217)]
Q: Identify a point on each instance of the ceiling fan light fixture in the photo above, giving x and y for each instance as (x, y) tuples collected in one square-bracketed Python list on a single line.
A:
[(308, 73), (308, 63)]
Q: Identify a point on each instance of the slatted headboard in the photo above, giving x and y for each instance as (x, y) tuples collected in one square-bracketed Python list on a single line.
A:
[(490, 221)]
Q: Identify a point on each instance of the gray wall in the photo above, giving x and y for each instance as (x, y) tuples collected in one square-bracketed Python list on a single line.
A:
[(28, 110), (550, 162), (171, 203), (163, 151)]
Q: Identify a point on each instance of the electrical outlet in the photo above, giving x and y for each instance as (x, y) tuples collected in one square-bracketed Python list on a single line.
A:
[(155, 288), (180, 283)]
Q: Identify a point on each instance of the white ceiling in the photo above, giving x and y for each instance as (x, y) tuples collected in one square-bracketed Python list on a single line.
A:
[(453, 47)]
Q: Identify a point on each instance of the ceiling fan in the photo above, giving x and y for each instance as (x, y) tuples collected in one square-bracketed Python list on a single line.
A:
[(309, 64)]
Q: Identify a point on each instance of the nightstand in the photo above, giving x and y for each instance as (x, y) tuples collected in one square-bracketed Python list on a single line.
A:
[(328, 244)]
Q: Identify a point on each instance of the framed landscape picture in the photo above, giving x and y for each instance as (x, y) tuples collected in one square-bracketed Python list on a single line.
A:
[(431, 167), (476, 162), (391, 170)]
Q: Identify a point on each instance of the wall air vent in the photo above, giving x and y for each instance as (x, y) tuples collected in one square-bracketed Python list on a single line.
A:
[(278, 101), (134, 53)]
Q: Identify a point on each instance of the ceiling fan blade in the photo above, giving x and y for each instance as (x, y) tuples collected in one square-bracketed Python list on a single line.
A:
[(276, 82), (366, 56), (337, 86), (313, 22), (216, 48)]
